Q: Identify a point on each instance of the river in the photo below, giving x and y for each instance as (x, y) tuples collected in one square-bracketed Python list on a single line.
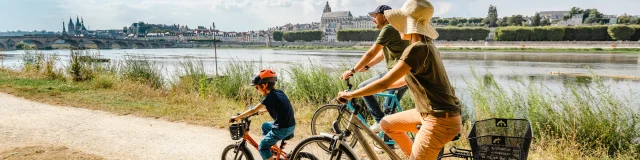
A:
[(505, 66)]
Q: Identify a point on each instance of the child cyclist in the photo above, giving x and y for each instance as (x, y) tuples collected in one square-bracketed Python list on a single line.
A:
[(277, 104)]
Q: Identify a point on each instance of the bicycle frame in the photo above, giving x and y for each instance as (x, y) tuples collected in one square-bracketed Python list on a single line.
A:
[(354, 125), (274, 149), (394, 102)]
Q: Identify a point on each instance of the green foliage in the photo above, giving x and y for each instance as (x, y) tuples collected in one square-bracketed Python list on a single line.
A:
[(529, 34), (465, 34), (592, 117), (142, 70), (277, 36), (492, 17), (587, 33), (536, 20), (302, 36), (23, 46), (545, 22), (453, 22), (621, 33), (636, 35), (104, 81), (357, 35), (79, 68)]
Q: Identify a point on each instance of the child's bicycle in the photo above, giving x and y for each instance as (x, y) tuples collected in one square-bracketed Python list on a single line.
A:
[(320, 122), (239, 150)]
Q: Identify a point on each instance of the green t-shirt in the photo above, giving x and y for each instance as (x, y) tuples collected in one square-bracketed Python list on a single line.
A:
[(428, 81), (389, 37)]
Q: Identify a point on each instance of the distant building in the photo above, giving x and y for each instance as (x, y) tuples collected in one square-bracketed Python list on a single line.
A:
[(77, 29), (575, 20), (554, 16), (613, 19), (331, 22)]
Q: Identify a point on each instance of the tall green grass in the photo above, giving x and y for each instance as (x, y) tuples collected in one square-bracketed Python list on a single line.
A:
[(34, 61), (142, 70), (595, 118)]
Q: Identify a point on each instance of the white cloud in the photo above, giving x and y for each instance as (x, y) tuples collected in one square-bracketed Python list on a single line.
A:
[(442, 8)]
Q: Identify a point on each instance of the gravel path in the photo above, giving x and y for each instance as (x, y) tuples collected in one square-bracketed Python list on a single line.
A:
[(24, 123)]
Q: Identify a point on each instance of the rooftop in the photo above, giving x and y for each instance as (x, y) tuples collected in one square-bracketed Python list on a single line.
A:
[(337, 14)]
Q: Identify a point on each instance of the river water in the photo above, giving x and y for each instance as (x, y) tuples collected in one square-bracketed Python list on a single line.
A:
[(505, 66)]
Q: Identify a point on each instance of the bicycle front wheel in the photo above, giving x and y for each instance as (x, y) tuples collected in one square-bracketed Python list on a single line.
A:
[(311, 147), (235, 152), (322, 121)]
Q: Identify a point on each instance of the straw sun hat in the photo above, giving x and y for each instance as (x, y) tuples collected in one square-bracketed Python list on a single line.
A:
[(413, 17)]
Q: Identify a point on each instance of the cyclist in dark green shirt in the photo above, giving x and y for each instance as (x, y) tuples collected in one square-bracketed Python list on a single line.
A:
[(392, 46)]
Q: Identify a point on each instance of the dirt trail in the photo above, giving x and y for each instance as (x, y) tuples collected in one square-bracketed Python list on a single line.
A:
[(27, 123)]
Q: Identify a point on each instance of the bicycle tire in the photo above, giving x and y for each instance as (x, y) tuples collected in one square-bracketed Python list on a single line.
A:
[(244, 152), (353, 140), (304, 156), (319, 139)]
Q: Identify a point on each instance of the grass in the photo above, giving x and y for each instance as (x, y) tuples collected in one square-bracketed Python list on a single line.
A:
[(591, 119), (578, 123)]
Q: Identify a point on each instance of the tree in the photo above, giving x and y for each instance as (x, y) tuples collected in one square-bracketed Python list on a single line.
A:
[(591, 19), (517, 20), (463, 20), (545, 22), (453, 22), (536, 20), (634, 21), (575, 10), (277, 36), (510, 21), (621, 33), (596, 17), (624, 19), (492, 17), (503, 22)]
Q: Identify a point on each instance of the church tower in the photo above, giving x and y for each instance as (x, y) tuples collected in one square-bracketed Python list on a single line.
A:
[(64, 29), (71, 27), (78, 27), (327, 8)]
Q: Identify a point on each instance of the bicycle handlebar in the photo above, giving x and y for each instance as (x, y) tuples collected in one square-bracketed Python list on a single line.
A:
[(245, 118)]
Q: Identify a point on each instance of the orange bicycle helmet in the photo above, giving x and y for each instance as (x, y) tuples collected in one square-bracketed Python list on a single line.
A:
[(264, 76)]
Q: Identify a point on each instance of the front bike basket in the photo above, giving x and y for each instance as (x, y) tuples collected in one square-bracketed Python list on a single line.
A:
[(501, 139), (237, 131)]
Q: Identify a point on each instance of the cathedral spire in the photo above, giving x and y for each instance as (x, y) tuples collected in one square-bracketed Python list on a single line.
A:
[(64, 29), (78, 21), (327, 8)]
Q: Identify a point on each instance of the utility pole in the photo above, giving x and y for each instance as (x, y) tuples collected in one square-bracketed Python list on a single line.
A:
[(215, 53)]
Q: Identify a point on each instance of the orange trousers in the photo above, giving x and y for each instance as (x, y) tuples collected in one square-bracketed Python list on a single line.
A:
[(430, 139)]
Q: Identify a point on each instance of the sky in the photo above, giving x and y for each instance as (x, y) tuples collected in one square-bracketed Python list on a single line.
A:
[(245, 15)]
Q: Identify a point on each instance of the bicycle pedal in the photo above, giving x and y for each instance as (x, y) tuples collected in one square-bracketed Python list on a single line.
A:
[(378, 150)]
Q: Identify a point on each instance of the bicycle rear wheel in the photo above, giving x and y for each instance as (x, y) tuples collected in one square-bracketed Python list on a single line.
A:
[(312, 146), (322, 121), (235, 152)]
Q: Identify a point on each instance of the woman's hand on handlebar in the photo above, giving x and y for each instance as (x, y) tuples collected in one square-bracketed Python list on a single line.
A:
[(344, 97), (346, 75), (233, 119)]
